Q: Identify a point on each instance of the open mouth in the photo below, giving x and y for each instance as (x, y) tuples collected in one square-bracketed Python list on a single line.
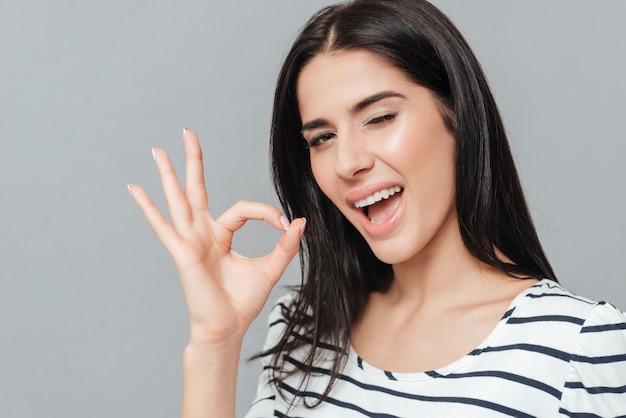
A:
[(379, 206)]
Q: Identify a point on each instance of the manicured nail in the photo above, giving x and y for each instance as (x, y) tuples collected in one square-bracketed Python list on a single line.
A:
[(284, 222), (302, 226), (153, 155)]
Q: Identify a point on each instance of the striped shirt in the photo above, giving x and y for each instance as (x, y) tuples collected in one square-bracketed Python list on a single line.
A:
[(553, 354)]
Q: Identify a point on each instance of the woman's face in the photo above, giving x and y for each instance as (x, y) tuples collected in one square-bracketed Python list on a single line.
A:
[(380, 151)]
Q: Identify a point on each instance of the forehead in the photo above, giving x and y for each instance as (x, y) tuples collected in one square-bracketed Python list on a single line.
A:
[(342, 78)]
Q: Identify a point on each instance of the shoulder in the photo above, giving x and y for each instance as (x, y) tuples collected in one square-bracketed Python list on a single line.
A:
[(595, 384), (577, 345), (548, 301), (603, 338), (547, 314)]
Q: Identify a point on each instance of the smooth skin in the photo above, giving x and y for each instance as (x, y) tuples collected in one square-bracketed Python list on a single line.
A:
[(224, 290), (371, 125)]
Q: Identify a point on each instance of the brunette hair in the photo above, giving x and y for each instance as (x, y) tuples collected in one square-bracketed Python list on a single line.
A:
[(338, 268)]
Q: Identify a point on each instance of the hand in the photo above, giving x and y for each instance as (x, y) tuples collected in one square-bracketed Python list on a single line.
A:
[(224, 290)]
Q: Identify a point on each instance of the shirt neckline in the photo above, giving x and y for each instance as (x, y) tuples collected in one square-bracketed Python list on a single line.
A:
[(356, 361)]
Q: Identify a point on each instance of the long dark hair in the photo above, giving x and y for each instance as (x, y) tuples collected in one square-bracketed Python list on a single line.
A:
[(338, 268)]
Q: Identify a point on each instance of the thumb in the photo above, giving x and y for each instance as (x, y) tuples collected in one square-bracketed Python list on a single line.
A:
[(286, 248)]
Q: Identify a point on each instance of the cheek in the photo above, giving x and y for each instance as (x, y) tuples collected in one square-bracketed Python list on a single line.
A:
[(409, 148), (438, 178), (425, 157)]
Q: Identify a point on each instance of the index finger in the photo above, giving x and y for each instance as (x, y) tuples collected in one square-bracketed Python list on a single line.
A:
[(241, 212)]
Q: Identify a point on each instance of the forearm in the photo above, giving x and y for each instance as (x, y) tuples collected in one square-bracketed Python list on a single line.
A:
[(210, 379)]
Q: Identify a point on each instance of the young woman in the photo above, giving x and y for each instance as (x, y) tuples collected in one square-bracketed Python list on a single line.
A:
[(425, 289)]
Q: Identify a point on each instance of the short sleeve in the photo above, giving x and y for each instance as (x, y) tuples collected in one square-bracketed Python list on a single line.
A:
[(596, 382), (263, 405)]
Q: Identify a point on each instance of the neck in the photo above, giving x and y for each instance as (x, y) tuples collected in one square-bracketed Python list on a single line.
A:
[(444, 272)]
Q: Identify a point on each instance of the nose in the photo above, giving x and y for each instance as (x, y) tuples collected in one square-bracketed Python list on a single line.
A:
[(353, 156)]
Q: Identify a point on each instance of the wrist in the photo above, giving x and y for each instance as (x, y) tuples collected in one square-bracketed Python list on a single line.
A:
[(201, 337), (221, 350)]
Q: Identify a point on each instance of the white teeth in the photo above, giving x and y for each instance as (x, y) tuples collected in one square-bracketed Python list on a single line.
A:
[(378, 196)]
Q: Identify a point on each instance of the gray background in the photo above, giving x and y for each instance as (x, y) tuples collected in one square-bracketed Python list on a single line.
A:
[(92, 318)]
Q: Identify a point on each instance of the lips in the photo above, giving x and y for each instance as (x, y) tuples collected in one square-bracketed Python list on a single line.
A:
[(378, 207)]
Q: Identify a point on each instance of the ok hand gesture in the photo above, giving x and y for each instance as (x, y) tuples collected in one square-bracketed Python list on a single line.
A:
[(224, 290)]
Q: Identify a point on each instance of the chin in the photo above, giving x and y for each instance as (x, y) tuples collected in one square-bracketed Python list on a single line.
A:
[(391, 253)]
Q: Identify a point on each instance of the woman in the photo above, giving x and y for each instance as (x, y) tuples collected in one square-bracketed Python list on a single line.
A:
[(425, 289)]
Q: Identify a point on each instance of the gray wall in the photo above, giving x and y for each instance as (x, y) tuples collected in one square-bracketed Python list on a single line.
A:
[(92, 317)]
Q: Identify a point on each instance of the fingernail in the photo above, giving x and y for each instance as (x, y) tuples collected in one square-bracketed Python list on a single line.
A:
[(302, 226), (153, 155), (284, 222), (184, 133), (130, 188)]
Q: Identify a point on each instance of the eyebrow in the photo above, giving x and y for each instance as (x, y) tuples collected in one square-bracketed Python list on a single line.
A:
[(368, 101)]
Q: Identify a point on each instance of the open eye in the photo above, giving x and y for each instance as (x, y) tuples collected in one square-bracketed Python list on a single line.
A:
[(321, 138), (381, 119)]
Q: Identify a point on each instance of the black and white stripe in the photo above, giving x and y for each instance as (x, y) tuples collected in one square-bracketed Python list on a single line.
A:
[(552, 354)]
